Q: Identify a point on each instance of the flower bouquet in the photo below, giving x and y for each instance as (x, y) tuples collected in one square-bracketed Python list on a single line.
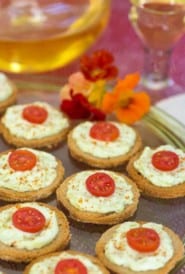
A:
[(95, 91)]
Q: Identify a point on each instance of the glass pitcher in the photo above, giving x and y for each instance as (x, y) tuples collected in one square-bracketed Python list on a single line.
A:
[(41, 35)]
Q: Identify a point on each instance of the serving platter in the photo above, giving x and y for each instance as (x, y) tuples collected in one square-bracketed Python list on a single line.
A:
[(156, 128)]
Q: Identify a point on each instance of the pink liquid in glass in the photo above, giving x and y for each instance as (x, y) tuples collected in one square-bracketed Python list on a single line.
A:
[(160, 25)]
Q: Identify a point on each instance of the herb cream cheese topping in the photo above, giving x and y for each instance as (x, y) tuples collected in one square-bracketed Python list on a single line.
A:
[(102, 149), (157, 177), (120, 253)]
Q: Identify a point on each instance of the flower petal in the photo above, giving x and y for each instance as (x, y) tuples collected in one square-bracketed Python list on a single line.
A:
[(126, 116), (73, 110), (143, 100), (96, 95), (130, 81), (103, 57), (126, 85), (79, 108), (98, 66), (108, 103), (139, 105), (111, 72), (97, 115), (79, 83), (65, 92)]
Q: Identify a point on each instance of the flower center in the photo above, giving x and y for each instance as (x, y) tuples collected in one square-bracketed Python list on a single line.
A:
[(124, 103), (125, 98)]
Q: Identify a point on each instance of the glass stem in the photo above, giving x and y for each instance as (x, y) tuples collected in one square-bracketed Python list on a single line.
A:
[(156, 68)]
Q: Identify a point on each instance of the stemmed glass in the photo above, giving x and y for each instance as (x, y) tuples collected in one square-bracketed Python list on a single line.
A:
[(159, 24)]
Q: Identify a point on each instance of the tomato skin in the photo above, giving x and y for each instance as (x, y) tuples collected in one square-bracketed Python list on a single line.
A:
[(165, 160), (35, 114), (28, 219), (143, 239), (22, 160), (70, 266), (104, 131), (100, 184)]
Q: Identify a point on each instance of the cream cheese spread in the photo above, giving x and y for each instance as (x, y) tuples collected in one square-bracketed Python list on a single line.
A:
[(19, 127), (157, 177), (120, 253), (81, 198), (48, 265), (13, 237), (102, 149), (40, 176)]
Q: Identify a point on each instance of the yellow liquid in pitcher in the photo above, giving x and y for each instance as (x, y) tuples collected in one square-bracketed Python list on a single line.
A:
[(51, 38)]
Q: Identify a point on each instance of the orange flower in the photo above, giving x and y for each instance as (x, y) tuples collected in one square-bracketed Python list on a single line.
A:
[(128, 106)]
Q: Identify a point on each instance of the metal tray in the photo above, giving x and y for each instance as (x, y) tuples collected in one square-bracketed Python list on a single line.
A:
[(154, 130)]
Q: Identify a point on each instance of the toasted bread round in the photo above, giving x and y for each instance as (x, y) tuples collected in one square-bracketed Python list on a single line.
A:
[(122, 269), (88, 155), (11, 250), (150, 189), (22, 133), (30, 185), (124, 188), (90, 262)]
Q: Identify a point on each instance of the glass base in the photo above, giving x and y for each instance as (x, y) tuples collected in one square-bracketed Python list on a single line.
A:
[(155, 84)]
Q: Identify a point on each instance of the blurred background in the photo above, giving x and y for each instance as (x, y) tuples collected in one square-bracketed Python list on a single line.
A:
[(120, 39)]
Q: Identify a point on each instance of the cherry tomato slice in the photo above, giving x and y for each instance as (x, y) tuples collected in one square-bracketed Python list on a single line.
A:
[(143, 239), (100, 184), (28, 219), (165, 160), (70, 266), (22, 160), (104, 131), (35, 114)]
